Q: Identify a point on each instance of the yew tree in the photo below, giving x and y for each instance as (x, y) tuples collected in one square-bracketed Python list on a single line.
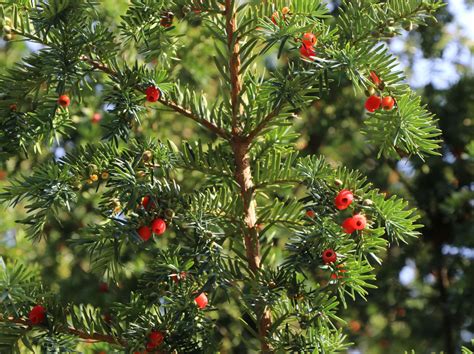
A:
[(233, 218)]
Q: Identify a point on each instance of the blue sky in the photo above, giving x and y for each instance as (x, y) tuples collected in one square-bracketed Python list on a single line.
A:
[(443, 72)]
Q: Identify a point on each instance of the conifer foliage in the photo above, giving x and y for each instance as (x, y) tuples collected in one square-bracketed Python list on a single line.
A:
[(222, 239)]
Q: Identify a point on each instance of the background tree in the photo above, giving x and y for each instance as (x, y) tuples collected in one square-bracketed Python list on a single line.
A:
[(230, 204)]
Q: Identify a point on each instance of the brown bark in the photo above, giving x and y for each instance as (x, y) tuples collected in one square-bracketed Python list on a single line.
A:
[(243, 173), (234, 64)]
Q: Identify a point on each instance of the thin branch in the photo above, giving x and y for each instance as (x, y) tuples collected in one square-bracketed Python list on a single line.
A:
[(170, 104), (258, 129), (96, 337)]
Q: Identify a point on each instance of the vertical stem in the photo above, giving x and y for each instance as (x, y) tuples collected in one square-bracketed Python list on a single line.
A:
[(243, 173), (234, 63), (243, 176)]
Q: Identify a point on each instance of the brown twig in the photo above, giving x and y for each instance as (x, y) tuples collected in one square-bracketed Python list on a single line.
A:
[(258, 129), (170, 104), (96, 337), (234, 63)]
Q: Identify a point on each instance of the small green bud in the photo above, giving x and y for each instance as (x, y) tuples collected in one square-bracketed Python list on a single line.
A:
[(370, 91), (7, 29), (186, 9), (169, 213), (77, 185), (147, 156), (92, 168), (408, 26), (337, 182)]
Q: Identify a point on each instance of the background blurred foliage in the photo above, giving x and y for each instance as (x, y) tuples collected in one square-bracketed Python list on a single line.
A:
[(431, 312)]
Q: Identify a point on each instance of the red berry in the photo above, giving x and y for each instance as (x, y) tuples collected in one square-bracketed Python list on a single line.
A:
[(144, 232), (285, 10), (107, 317), (147, 203), (158, 226), (275, 17), (64, 100), (348, 226), (359, 221), (310, 213), (13, 107), (103, 287), (374, 78), (309, 39), (201, 300), (373, 103), (307, 52), (96, 118), (343, 199), (329, 256), (152, 94), (167, 19), (387, 103), (155, 339), (37, 315)]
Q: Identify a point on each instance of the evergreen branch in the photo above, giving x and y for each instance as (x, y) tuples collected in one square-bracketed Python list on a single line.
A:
[(96, 337), (263, 124), (170, 104), (381, 26)]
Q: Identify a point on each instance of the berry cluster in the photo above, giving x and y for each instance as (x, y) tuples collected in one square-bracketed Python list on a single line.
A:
[(356, 222), (157, 226), (339, 273), (374, 102), (94, 174), (308, 41), (276, 16), (7, 29)]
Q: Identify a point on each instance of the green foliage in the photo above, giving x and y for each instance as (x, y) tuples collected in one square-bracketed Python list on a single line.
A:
[(410, 129), (252, 189)]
